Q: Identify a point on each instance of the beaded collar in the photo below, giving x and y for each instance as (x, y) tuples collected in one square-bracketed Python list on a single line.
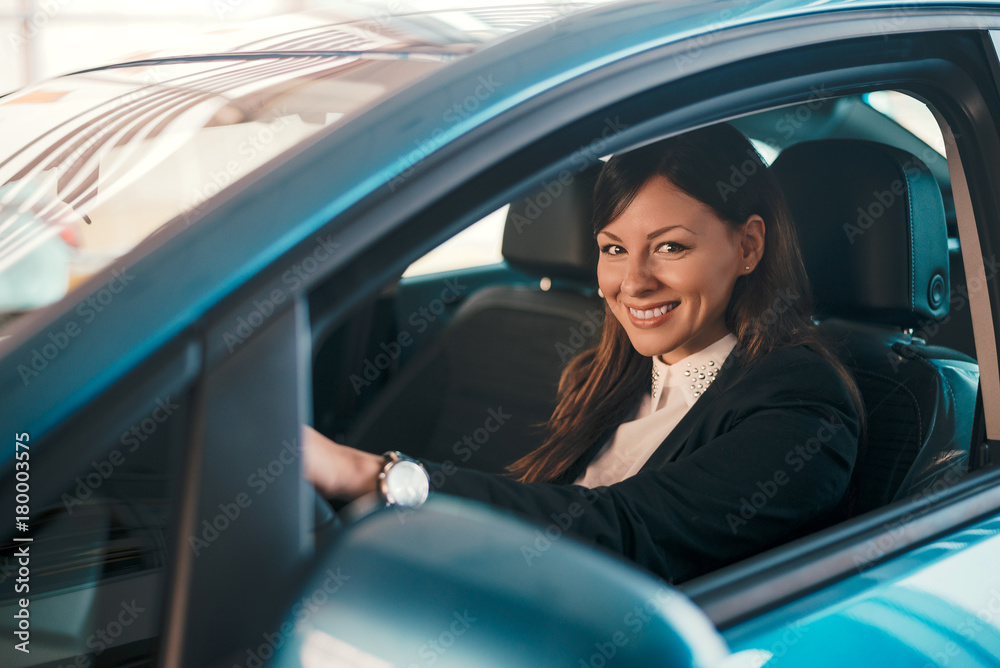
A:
[(693, 374)]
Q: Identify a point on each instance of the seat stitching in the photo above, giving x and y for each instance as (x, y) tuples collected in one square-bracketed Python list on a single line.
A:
[(909, 219)]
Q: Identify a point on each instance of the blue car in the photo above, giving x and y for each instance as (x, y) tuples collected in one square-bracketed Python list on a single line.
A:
[(375, 220)]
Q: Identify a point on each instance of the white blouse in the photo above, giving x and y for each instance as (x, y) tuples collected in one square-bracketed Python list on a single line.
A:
[(675, 388)]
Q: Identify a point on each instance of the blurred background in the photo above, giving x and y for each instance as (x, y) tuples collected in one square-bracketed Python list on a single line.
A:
[(44, 38)]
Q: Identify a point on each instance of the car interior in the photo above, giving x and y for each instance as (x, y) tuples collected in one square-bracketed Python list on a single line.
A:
[(420, 367)]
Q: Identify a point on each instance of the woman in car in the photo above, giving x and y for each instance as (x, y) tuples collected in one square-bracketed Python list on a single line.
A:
[(711, 421)]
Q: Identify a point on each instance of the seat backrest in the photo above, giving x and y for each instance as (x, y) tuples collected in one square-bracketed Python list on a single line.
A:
[(872, 230), (480, 393)]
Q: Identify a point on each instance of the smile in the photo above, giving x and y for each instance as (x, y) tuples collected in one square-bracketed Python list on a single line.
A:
[(651, 317)]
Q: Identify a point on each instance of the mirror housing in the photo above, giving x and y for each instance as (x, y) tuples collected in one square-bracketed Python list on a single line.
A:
[(456, 583)]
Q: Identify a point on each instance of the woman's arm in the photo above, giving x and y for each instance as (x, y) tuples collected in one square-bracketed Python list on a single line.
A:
[(337, 471), (785, 461)]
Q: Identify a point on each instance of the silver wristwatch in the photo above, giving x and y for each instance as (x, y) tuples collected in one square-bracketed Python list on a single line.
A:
[(403, 481)]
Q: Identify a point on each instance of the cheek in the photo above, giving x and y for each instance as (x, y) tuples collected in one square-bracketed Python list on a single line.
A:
[(703, 282), (607, 279)]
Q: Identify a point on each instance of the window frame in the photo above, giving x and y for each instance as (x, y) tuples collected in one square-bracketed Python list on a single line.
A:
[(759, 583)]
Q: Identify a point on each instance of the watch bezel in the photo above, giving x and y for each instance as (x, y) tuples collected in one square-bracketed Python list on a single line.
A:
[(393, 459)]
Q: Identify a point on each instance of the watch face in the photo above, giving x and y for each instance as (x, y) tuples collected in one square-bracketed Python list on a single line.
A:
[(406, 484)]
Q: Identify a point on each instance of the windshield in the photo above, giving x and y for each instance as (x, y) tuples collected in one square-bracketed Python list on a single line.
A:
[(101, 160)]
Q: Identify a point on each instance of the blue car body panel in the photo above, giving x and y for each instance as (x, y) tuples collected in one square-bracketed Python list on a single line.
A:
[(938, 605)]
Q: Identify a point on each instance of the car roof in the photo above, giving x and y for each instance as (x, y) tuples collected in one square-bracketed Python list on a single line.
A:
[(361, 27), (210, 260)]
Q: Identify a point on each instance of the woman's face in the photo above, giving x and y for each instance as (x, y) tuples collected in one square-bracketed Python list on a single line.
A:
[(667, 269)]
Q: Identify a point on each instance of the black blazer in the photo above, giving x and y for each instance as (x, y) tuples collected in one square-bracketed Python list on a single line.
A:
[(766, 452)]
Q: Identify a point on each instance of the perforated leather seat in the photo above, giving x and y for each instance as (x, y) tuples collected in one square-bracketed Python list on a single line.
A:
[(872, 229), (477, 397)]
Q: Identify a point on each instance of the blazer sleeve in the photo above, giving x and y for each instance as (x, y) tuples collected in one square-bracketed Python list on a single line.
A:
[(784, 461)]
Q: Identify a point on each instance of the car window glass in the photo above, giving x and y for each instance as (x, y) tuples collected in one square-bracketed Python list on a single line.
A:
[(93, 574), (476, 246), (103, 159), (909, 112)]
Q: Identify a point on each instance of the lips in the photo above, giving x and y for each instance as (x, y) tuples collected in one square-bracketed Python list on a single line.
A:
[(652, 316)]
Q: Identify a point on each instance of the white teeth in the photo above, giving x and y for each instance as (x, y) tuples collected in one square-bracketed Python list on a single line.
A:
[(649, 314)]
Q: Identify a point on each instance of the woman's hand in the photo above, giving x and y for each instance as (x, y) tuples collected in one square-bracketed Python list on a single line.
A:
[(336, 470)]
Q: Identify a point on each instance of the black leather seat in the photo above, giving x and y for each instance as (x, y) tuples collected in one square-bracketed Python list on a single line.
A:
[(872, 229), (478, 395)]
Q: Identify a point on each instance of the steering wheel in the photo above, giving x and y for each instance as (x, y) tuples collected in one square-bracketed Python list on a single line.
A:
[(325, 518)]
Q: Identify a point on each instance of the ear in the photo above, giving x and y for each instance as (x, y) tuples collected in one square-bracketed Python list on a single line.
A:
[(751, 243)]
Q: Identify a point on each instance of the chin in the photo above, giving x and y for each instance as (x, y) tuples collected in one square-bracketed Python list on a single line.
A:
[(649, 348)]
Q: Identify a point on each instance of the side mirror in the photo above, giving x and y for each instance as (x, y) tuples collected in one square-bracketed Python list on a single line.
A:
[(458, 584)]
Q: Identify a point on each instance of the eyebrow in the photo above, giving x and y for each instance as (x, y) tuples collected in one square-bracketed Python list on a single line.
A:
[(652, 234)]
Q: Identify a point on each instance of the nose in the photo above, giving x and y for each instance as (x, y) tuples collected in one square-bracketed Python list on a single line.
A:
[(638, 277)]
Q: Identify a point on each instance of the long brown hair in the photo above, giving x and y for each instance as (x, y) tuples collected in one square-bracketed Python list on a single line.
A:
[(769, 308)]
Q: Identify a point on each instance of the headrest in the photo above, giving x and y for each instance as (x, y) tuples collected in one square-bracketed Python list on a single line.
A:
[(872, 230), (550, 232)]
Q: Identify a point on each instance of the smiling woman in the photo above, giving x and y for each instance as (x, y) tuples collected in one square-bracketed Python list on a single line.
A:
[(698, 393), (670, 257)]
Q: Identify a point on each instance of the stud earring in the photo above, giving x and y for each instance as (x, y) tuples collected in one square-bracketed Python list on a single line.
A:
[(747, 267)]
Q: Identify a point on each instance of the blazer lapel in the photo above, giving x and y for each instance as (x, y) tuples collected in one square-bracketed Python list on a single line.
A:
[(672, 446)]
